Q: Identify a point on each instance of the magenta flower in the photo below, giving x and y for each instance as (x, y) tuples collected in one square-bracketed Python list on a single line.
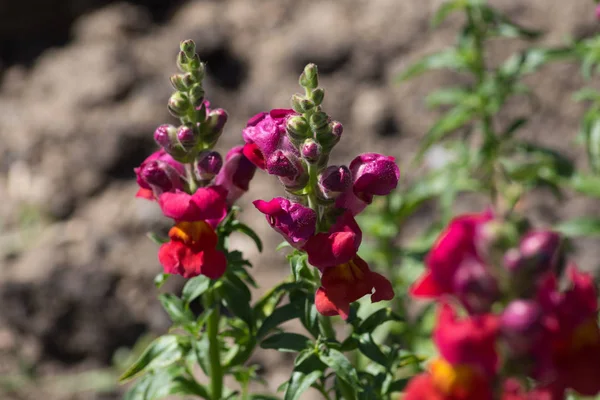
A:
[(295, 222), (207, 204), (157, 174), (266, 131), (236, 174), (338, 246), (373, 174)]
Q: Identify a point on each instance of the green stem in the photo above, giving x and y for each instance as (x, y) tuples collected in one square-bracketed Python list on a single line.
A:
[(216, 371), (191, 178)]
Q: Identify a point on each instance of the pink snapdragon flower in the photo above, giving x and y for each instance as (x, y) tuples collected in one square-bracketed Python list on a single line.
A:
[(373, 174), (157, 174), (295, 222), (206, 204), (236, 174)]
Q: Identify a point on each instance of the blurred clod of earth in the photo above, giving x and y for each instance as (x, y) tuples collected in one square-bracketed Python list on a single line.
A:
[(83, 83)]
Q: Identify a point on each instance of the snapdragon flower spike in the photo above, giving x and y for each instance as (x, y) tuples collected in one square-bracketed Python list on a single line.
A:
[(192, 251), (373, 174), (337, 246), (576, 342), (454, 245), (345, 283), (206, 204), (236, 174), (157, 174), (264, 134), (295, 222)]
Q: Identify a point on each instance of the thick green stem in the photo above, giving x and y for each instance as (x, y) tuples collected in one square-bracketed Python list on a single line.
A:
[(216, 371), (191, 178)]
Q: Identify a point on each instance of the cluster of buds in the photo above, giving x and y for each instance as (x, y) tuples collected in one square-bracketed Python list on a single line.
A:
[(190, 181), (317, 214), (518, 324)]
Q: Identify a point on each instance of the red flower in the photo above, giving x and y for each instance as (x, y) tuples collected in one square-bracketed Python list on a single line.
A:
[(445, 381), (207, 204), (157, 174), (348, 282), (338, 246), (192, 251), (455, 245), (576, 342), (469, 341)]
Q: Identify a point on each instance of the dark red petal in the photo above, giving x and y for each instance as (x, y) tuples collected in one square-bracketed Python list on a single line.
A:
[(327, 306), (426, 286), (253, 153), (383, 288), (214, 264)]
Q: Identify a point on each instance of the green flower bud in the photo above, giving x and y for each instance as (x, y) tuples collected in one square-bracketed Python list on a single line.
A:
[(310, 77), (182, 61), (195, 63), (317, 96), (318, 120), (297, 128), (188, 47), (188, 79), (301, 105), (179, 104), (177, 82), (196, 95)]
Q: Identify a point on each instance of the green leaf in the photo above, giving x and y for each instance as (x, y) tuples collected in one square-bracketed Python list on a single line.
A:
[(279, 316), (286, 341), (310, 317), (237, 297), (514, 127), (531, 60), (450, 59), (340, 364), (370, 349), (447, 96), (245, 229), (398, 385), (299, 383), (194, 288), (376, 319), (502, 26), (176, 308), (263, 397), (445, 10), (454, 119), (161, 279), (162, 352), (586, 184), (157, 238), (579, 227)]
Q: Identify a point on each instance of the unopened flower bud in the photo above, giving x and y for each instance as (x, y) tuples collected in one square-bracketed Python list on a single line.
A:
[(161, 176), (328, 136), (164, 135), (179, 104), (334, 180), (512, 260), (196, 95), (301, 105), (542, 250), (521, 325), (475, 286), (318, 120), (188, 80), (493, 239), (186, 136), (310, 77), (317, 96), (297, 128), (214, 124), (337, 129), (280, 164), (208, 164), (177, 82), (182, 61), (311, 151), (188, 47), (194, 63)]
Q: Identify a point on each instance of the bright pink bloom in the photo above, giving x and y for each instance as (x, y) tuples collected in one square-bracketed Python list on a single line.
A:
[(348, 282), (373, 174), (338, 246), (192, 251), (454, 245), (598, 12), (470, 341), (207, 204), (512, 390), (157, 174), (295, 222), (236, 174), (266, 132)]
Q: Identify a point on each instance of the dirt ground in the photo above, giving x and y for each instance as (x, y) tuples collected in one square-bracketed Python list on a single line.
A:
[(83, 84)]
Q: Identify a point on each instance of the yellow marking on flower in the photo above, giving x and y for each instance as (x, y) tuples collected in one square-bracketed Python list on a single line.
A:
[(450, 378), (190, 232), (585, 334), (349, 272)]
